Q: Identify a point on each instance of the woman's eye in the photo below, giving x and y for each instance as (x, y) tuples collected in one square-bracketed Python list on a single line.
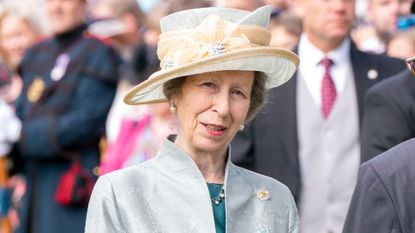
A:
[(239, 93), (208, 84)]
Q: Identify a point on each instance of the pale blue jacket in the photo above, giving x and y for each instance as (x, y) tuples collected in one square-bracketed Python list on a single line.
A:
[(168, 194)]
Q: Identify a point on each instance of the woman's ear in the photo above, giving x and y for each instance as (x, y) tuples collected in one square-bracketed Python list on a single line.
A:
[(174, 99)]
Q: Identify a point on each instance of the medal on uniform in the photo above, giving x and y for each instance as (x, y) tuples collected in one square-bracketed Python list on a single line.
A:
[(35, 90), (60, 67)]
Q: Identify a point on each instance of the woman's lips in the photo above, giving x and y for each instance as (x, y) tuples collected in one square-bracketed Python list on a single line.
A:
[(214, 130)]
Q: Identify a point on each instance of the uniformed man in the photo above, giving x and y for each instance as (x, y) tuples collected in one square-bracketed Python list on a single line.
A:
[(69, 85)]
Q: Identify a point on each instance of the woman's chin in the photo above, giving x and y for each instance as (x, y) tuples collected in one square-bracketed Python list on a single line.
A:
[(211, 145)]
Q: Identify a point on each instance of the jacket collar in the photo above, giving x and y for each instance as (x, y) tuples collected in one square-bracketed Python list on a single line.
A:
[(182, 166)]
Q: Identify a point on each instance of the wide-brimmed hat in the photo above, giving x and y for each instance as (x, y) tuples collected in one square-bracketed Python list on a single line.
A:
[(214, 39)]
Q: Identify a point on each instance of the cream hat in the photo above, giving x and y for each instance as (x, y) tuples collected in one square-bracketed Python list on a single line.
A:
[(214, 39)]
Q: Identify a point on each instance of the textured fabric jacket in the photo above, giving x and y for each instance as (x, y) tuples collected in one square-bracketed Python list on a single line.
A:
[(383, 201), (169, 194)]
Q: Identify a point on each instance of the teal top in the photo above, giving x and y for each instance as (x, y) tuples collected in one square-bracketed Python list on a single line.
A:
[(219, 213)]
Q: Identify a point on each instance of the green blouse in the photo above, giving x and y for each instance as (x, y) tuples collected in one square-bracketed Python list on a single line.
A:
[(219, 213)]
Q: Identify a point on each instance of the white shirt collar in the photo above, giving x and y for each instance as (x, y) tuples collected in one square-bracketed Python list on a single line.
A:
[(310, 55)]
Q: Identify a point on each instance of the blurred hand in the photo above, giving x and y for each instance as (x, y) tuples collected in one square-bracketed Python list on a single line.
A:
[(17, 184), (9, 93), (10, 127)]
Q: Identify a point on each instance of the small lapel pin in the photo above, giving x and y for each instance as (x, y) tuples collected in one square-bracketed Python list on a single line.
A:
[(263, 194), (372, 74), (60, 67)]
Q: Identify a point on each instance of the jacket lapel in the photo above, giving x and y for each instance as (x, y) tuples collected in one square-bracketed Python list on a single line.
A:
[(361, 67)]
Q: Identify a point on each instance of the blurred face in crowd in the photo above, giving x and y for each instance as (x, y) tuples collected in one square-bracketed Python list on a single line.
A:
[(384, 14), (65, 15), (327, 22), (16, 36), (282, 38), (401, 47), (210, 109)]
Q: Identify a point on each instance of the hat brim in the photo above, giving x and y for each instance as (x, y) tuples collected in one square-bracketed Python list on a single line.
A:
[(278, 65)]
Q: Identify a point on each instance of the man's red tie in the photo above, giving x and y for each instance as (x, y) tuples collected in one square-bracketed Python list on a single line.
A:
[(328, 89)]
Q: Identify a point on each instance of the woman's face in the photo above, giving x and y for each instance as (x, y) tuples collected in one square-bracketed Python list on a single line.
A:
[(210, 109), (16, 35)]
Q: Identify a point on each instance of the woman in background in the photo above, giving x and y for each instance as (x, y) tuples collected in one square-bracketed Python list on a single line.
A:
[(19, 30)]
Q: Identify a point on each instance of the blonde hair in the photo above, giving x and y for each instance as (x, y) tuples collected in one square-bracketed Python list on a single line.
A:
[(24, 13)]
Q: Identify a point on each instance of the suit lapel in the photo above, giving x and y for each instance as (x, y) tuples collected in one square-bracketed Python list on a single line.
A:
[(361, 66)]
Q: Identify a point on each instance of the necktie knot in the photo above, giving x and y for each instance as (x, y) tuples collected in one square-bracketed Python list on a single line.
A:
[(327, 63)]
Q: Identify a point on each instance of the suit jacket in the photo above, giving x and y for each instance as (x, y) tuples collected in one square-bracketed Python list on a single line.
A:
[(389, 115), (269, 144), (383, 201), (169, 194)]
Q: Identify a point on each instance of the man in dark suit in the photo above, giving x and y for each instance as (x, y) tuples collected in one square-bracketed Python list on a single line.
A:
[(69, 85), (389, 115), (383, 201), (307, 136)]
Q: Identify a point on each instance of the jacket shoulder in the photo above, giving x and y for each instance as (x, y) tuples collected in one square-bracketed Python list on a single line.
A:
[(102, 60), (394, 84), (38, 49), (395, 161), (379, 58), (385, 66)]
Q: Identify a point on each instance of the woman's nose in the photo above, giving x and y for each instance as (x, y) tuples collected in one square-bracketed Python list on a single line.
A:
[(221, 105)]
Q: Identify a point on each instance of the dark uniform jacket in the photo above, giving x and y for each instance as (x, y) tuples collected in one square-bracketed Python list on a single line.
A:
[(269, 145), (383, 201), (69, 84)]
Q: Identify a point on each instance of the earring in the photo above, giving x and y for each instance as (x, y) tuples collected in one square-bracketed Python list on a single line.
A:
[(172, 108), (241, 127)]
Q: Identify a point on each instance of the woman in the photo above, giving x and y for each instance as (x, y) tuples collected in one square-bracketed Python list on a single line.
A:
[(214, 74), (18, 32)]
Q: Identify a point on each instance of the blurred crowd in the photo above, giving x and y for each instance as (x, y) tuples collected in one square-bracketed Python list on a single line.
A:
[(65, 66)]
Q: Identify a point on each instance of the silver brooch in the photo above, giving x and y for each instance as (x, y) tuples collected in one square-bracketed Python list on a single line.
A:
[(216, 49), (263, 194), (167, 63)]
